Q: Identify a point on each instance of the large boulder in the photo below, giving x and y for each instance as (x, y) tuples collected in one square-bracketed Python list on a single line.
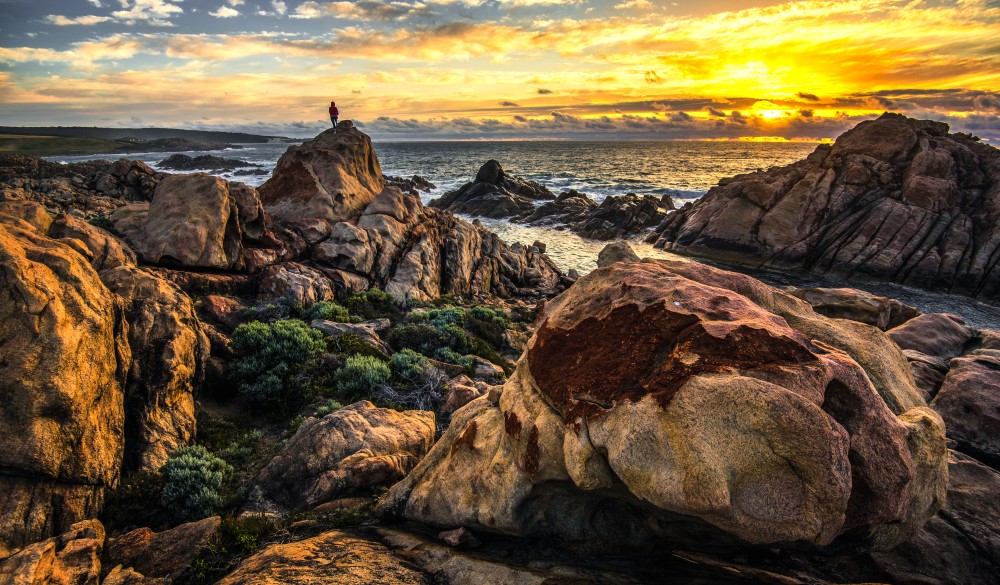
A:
[(169, 352), (198, 221), (857, 305), (353, 449), (969, 403), (72, 558), (330, 178), (666, 399), (935, 334), (63, 355), (894, 199), (162, 555)]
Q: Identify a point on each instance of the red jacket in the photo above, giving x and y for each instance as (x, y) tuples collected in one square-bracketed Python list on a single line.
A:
[(334, 111)]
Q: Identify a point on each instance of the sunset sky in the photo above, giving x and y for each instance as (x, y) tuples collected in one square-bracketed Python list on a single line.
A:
[(417, 69)]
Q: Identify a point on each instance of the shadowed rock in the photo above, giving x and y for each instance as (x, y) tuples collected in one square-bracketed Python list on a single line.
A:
[(894, 198)]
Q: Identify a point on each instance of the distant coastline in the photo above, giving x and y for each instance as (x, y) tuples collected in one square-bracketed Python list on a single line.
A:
[(59, 140)]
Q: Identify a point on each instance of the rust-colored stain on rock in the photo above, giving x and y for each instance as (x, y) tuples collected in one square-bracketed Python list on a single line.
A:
[(630, 354), (532, 452), (511, 424), (467, 438)]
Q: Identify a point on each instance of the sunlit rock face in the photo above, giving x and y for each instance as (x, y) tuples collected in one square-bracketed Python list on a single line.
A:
[(672, 400), (894, 198)]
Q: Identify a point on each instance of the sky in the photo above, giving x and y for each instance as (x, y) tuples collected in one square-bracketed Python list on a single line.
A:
[(502, 69)]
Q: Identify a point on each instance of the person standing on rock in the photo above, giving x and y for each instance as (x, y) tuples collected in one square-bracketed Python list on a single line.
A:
[(334, 114)]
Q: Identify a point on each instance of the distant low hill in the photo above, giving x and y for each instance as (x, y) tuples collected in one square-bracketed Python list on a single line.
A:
[(200, 136)]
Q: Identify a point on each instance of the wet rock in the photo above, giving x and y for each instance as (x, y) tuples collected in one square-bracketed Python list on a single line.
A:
[(936, 334), (335, 557), (616, 252), (894, 199), (355, 448), (414, 184), (72, 558), (162, 554), (759, 419), (857, 305), (204, 162), (624, 215), (969, 403)]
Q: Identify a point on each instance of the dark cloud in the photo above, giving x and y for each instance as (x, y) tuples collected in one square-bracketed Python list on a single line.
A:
[(806, 113), (681, 117), (808, 96), (543, 91), (356, 91), (652, 77), (737, 117), (509, 104), (713, 112)]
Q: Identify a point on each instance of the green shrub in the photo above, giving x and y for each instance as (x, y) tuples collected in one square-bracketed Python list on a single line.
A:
[(104, 223), (409, 366), (348, 344), (371, 303), (446, 354), (330, 406), (270, 311), (268, 354), (192, 479), (327, 311), (361, 376), (448, 316), (489, 315), (428, 339)]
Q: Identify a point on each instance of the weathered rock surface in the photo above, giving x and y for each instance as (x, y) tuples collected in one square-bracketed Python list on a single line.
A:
[(623, 215), (857, 305), (936, 334), (330, 178), (969, 403), (414, 184), (198, 221), (355, 448), (169, 351), (659, 399), (335, 557), (894, 198), (961, 544), (162, 555), (296, 282), (204, 162), (495, 194), (72, 558), (61, 415), (616, 252)]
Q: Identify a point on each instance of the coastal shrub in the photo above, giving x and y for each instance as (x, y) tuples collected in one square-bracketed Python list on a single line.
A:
[(328, 407), (427, 339), (192, 480), (348, 344), (104, 223), (371, 304), (409, 366), (489, 315), (268, 354), (270, 311), (135, 502), (446, 354), (448, 316), (238, 538), (317, 377), (361, 376), (488, 324), (327, 311), (424, 389)]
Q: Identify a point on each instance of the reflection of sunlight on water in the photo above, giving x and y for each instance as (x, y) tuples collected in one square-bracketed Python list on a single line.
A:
[(568, 250)]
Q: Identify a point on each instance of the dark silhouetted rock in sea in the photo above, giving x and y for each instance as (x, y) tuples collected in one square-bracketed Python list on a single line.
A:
[(205, 162), (414, 184), (892, 199), (494, 194)]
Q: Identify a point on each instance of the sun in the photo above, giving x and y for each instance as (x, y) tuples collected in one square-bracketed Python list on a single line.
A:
[(770, 114)]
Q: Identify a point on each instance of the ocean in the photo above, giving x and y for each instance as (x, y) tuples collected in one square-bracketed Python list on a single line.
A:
[(683, 170)]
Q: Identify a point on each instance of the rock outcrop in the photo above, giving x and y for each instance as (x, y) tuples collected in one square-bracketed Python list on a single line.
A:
[(330, 178), (200, 221), (169, 352), (668, 400), (63, 355), (162, 555), (496, 194), (969, 403), (857, 305), (72, 558), (353, 449), (893, 199), (337, 557)]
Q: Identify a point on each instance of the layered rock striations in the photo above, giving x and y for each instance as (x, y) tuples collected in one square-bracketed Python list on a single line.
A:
[(672, 400), (892, 199)]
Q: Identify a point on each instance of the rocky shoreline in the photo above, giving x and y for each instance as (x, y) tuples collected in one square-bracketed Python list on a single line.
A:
[(323, 380)]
